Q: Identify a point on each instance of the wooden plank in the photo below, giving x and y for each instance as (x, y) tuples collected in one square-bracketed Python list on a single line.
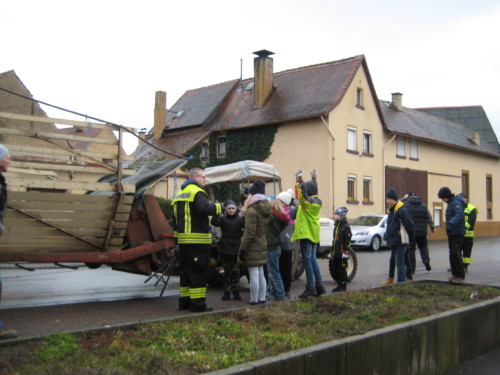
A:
[(67, 185), (18, 165), (59, 136), (32, 171), (29, 223), (61, 217), (35, 206), (61, 249), (28, 150), (53, 120), (49, 231), (64, 197), (69, 242)]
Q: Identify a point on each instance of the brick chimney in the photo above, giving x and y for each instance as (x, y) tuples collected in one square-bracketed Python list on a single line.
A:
[(397, 101), (160, 119), (263, 77)]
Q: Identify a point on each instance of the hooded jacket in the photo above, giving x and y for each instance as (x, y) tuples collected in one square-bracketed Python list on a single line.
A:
[(341, 238), (307, 223), (253, 248), (420, 215), (398, 214), (455, 217), (277, 223)]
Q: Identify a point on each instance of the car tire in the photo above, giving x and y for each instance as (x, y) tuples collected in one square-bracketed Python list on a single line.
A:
[(297, 266), (376, 243)]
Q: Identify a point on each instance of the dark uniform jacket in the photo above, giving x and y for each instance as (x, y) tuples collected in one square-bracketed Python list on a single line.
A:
[(191, 211), (3, 201), (277, 223)]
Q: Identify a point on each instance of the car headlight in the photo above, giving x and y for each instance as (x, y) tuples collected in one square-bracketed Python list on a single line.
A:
[(361, 234)]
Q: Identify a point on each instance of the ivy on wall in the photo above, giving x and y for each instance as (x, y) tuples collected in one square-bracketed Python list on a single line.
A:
[(246, 144)]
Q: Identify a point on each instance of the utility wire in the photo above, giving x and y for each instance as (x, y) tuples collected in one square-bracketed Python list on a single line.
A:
[(95, 119)]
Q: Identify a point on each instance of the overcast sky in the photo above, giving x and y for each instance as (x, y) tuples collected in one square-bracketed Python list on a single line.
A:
[(107, 58)]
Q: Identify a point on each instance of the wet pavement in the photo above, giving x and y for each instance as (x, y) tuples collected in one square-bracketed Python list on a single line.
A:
[(33, 322)]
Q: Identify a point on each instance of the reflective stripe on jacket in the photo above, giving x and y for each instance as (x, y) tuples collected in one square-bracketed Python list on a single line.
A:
[(191, 211), (470, 213)]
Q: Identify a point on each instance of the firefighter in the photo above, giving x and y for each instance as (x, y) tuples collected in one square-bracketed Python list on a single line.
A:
[(470, 213), (192, 230)]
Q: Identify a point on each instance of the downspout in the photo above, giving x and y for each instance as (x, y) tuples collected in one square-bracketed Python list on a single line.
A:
[(383, 166), (333, 159)]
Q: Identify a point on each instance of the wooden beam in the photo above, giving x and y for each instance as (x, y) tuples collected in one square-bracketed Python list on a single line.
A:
[(19, 165), (28, 150), (68, 185), (80, 124), (59, 136)]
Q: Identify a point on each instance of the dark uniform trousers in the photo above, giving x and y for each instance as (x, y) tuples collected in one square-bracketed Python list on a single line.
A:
[(193, 277), (455, 245)]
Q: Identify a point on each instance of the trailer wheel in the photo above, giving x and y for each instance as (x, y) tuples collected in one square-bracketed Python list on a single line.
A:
[(297, 266)]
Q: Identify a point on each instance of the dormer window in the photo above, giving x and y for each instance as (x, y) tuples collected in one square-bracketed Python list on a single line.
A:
[(221, 146)]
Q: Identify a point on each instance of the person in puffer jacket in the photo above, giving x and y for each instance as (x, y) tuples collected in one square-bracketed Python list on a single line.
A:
[(400, 231), (455, 229), (307, 225), (253, 248), (231, 224)]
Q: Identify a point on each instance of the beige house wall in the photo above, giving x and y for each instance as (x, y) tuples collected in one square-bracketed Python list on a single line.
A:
[(444, 167), (322, 146)]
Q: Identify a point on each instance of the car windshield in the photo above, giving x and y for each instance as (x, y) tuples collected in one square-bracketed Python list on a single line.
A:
[(367, 221)]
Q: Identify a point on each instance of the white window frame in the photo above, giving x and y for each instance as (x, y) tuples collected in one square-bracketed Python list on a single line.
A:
[(204, 152), (359, 98), (401, 143), (413, 149), (437, 214), (351, 138)]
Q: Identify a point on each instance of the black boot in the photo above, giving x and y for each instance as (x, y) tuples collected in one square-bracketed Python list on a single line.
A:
[(309, 292), (320, 289), (427, 266), (340, 288), (184, 303), (236, 295), (226, 295)]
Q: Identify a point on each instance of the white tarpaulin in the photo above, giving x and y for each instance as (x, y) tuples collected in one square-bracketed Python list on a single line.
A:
[(242, 171)]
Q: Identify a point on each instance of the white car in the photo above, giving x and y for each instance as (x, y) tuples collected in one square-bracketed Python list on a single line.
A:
[(369, 231)]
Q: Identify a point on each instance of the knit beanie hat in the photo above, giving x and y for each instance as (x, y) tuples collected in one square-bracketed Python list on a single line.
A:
[(341, 211), (445, 192), (3, 152), (258, 187), (229, 204), (285, 198), (392, 194)]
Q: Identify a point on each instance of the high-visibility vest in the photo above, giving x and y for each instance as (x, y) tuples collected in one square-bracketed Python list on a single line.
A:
[(185, 232), (469, 228)]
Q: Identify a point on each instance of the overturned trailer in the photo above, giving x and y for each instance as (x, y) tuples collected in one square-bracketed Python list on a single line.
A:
[(69, 204)]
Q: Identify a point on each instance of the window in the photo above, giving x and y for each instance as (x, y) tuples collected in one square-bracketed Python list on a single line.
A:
[(367, 142), (204, 152), (351, 139), (221, 147), (438, 210), (351, 188), (465, 183), (401, 147), (367, 189), (359, 98), (489, 197), (413, 149)]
